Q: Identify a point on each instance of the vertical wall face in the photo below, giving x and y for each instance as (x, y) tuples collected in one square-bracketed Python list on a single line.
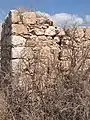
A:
[(29, 40)]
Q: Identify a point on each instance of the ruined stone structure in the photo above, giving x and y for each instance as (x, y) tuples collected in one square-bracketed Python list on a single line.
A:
[(27, 36)]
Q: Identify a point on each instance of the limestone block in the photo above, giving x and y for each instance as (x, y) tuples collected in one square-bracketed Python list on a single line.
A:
[(87, 33), (15, 64), (15, 17), (41, 20), (19, 29), (33, 37), (39, 31), (22, 52), (30, 43), (29, 17), (79, 33), (51, 31), (18, 41), (17, 52), (42, 38), (19, 64)]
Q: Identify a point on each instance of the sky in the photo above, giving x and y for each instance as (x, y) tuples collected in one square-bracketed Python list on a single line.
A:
[(62, 9)]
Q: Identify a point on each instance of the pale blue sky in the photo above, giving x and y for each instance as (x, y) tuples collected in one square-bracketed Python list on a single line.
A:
[(79, 7)]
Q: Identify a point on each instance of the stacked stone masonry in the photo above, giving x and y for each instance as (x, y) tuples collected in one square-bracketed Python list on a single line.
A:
[(27, 36)]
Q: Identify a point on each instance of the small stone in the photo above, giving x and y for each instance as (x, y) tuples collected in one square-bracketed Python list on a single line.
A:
[(87, 33), (15, 18), (15, 64), (79, 33), (29, 17), (17, 52), (39, 31), (19, 29), (43, 38), (18, 41), (51, 31), (41, 20)]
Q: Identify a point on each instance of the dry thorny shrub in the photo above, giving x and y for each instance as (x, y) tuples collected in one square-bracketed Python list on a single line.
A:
[(67, 97)]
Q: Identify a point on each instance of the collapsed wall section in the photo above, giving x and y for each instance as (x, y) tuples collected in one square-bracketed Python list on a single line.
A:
[(75, 50)]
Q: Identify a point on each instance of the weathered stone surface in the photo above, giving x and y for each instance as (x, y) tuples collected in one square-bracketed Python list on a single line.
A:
[(17, 52), (29, 17), (87, 33), (79, 32), (15, 64), (21, 52), (42, 38), (39, 31), (15, 17), (41, 20), (17, 41), (19, 29), (51, 31)]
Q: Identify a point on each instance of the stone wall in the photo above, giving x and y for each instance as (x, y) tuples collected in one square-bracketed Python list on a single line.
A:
[(31, 44), (27, 38)]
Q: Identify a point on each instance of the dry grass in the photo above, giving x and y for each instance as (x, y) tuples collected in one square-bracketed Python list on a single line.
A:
[(67, 97)]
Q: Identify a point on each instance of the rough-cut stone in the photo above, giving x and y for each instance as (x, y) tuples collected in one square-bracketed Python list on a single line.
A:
[(14, 64), (21, 52), (41, 20), (15, 17), (18, 41), (42, 38), (17, 52), (51, 31), (39, 31), (87, 33), (29, 17), (19, 29), (79, 33)]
